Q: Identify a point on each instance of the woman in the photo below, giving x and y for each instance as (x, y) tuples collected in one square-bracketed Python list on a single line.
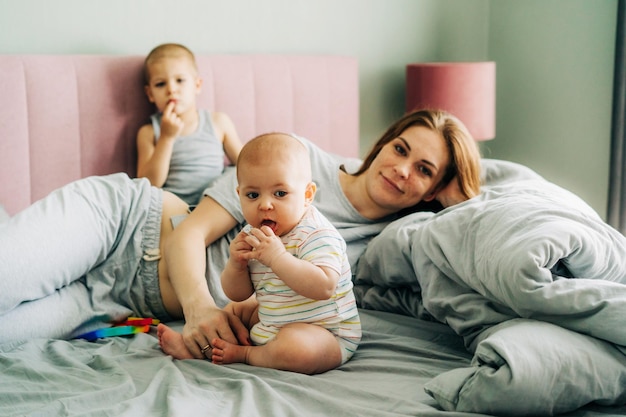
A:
[(110, 248)]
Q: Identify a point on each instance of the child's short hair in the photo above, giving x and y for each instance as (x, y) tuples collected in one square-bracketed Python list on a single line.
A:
[(167, 50)]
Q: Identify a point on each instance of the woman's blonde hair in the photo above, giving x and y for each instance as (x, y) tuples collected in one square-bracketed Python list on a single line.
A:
[(465, 157)]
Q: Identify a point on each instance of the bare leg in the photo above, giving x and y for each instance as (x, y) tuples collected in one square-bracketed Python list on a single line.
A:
[(298, 347), (172, 342)]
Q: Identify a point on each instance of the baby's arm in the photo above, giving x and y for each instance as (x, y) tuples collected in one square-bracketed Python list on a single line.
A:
[(235, 278), (153, 158), (225, 129), (304, 277)]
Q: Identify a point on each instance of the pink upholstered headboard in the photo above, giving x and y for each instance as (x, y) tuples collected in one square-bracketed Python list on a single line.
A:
[(65, 117)]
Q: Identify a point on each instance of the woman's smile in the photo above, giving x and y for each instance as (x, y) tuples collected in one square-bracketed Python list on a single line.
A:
[(391, 184)]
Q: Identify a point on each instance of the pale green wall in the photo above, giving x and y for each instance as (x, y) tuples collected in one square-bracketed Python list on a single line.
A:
[(554, 90), (554, 57), (554, 63), (384, 35)]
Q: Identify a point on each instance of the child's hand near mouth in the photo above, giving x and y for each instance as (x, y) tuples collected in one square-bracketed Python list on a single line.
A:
[(171, 125), (266, 246)]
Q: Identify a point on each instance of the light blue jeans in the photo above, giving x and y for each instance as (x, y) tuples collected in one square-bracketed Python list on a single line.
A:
[(74, 260)]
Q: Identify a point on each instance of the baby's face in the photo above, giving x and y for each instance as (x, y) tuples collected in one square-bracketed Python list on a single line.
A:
[(273, 195)]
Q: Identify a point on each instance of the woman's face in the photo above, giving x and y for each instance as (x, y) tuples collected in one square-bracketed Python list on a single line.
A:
[(407, 169)]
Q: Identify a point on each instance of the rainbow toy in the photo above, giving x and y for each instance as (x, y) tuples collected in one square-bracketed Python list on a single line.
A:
[(132, 325), (138, 321)]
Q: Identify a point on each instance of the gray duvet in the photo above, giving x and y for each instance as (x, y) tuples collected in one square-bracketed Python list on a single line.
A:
[(532, 279)]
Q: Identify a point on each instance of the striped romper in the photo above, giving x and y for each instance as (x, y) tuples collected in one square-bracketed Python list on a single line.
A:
[(316, 240)]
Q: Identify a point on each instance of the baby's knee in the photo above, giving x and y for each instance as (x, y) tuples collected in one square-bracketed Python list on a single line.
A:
[(317, 349)]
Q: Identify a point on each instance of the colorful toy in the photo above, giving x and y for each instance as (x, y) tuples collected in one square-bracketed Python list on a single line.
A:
[(132, 325)]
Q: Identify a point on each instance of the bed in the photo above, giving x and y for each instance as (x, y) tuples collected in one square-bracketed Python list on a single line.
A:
[(443, 333)]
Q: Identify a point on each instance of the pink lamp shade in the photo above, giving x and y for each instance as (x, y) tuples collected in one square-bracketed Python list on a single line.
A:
[(465, 89)]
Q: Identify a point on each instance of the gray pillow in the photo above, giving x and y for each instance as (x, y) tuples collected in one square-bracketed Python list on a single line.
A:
[(525, 367)]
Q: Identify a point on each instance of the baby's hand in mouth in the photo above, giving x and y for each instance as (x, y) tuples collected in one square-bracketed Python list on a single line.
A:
[(269, 223)]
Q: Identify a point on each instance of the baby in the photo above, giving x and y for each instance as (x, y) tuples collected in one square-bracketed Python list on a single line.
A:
[(304, 316)]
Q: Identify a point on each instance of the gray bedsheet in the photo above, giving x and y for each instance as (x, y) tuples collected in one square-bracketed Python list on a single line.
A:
[(130, 376), (532, 279)]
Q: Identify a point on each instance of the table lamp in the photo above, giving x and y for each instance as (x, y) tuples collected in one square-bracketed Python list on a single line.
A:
[(465, 89)]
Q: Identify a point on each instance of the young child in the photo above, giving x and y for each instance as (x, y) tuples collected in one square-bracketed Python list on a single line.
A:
[(304, 318), (183, 148)]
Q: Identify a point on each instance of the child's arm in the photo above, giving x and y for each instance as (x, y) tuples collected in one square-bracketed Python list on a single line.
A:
[(305, 278), (225, 129), (153, 159), (235, 277)]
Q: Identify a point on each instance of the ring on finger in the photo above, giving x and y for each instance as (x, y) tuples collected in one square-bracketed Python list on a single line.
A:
[(204, 349)]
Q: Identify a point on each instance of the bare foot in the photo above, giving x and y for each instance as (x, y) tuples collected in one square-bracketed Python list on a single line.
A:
[(172, 343), (225, 352)]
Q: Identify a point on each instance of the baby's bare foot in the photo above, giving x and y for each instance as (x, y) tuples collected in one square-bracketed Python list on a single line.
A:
[(172, 342), (225, 352)]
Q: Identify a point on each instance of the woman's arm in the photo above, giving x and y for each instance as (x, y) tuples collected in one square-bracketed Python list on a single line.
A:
[(185, 255), (451, 194)]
